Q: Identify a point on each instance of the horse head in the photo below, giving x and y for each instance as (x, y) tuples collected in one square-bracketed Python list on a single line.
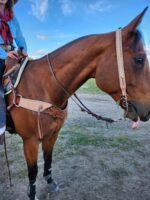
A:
[(136, 71)]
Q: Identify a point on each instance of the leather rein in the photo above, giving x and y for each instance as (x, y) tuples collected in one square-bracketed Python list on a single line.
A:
[(122, 81), (76, 99)]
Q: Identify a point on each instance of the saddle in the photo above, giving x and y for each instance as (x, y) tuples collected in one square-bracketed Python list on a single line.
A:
[(13, 73), (11, 78)]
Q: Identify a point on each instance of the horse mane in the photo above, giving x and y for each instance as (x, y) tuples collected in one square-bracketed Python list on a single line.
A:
[(71, 43)]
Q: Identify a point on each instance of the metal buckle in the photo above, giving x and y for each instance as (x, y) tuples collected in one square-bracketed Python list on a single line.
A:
[(6, 47), (14, 100), (124, 104)]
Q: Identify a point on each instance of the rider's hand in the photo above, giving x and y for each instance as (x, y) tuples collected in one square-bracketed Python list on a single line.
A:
[(13, 55), (24, 53)]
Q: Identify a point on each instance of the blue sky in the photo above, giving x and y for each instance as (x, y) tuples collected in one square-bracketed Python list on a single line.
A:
[(49, 24)]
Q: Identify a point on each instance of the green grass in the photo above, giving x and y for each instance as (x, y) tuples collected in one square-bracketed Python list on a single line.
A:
[(100, 140), (123, 142), (89, 87), (22, 173), (73, 138), (118, 173)]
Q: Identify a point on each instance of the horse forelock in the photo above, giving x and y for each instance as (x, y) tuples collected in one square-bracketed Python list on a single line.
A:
[(138, 41)]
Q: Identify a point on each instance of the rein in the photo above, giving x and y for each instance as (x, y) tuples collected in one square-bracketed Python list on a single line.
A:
[(7, 161), (76, 100), (122, 81)]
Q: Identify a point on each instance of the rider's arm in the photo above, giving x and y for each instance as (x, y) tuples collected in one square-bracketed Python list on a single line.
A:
[(18, 37)]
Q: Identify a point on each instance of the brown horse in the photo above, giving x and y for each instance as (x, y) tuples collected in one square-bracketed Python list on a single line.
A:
[(56, 76)]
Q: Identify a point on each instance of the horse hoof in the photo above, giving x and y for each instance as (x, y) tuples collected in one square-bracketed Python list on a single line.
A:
[(53, 186)]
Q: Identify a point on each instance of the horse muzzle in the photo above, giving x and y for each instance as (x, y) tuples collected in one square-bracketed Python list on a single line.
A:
[(137, 109)]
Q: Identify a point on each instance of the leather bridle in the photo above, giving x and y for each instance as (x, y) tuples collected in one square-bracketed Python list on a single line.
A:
[(121, 72)]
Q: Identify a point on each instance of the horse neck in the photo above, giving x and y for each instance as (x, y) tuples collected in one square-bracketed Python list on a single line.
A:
[(74, 64)]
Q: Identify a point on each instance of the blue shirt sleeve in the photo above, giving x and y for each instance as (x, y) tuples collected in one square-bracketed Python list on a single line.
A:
[(3, 53), (18, 37)]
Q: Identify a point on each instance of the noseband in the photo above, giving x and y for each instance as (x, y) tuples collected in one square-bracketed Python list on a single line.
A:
[(120, 62)]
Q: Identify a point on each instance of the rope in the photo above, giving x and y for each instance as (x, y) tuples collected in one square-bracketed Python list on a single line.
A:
[(7, 161), (98, 117), (40, 130)]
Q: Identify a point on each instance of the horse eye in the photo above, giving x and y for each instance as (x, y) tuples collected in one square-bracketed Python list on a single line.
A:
[(139, 60)]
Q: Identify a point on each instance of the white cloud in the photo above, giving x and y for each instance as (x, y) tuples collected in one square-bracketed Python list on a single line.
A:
[(39, 53), (148, 57), (42, 37), (33, 56), (39, 8), (100, 6), (59, 43), (59, 34), (67, 7), (62, 35), (148, 49)]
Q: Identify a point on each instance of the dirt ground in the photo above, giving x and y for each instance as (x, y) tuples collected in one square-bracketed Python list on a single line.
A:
[(90, 162)]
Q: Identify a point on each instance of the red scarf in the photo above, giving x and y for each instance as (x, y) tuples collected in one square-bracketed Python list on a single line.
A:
[(4, 27)]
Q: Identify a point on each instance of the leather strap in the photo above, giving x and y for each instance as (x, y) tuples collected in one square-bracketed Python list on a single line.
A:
[(120, 62), (33, 105), (39, 124)]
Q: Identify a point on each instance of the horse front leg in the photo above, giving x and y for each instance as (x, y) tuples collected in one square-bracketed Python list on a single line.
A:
[(31, 155), (47, 154)]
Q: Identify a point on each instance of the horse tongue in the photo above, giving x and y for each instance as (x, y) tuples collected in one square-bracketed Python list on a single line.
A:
[(136, 124)]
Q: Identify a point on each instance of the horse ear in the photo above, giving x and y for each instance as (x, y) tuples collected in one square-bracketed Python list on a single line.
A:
[(131, 27)]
